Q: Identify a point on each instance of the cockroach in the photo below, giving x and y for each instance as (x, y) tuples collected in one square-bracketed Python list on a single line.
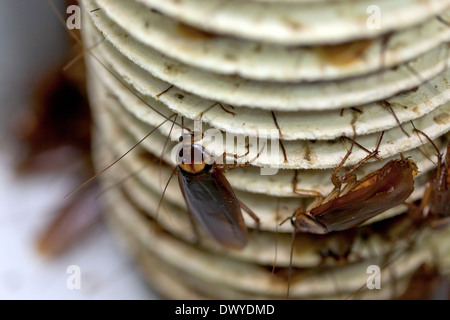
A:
[(360, 200), (434, 208), (209, 197)]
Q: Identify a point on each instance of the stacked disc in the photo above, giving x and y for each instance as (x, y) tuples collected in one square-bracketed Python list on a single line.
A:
[(313, 72)]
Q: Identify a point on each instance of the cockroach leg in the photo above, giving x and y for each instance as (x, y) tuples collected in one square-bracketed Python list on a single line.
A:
[(362, 147), (231, 155), (228, 111), (251, 214), (334, 177), (388, 106), (225, 167), (163, 92), (200, 116), (164, 147), (303, 192), (174, 172), (80, 56), (442, 20), (281, 134), (346, 177)]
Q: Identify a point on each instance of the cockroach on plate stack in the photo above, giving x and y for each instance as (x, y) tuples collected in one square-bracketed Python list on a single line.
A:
[(250, 69), (434, 208)]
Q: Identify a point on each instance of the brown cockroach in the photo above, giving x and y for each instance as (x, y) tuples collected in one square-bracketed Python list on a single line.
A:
[(209, 197), (431, 211), (434, 208), (359, 200)]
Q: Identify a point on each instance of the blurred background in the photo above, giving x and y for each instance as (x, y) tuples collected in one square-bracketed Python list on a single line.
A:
[(37, 169)]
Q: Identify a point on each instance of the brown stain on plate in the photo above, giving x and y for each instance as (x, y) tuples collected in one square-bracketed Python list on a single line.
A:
[(442, 118), (193, 33), (345, 53), (308, 156)]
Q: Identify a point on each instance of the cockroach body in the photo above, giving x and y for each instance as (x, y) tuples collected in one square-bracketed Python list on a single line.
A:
[(360, 200), (379, 191), (357, 202), (209, 197)]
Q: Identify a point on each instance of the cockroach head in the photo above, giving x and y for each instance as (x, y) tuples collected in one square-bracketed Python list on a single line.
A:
[(192, 157)]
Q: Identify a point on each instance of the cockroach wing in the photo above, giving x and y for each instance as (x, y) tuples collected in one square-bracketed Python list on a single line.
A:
[(384, 189), (213, 204)]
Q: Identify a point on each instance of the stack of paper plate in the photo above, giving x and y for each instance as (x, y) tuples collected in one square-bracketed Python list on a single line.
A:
[(308, 70)]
